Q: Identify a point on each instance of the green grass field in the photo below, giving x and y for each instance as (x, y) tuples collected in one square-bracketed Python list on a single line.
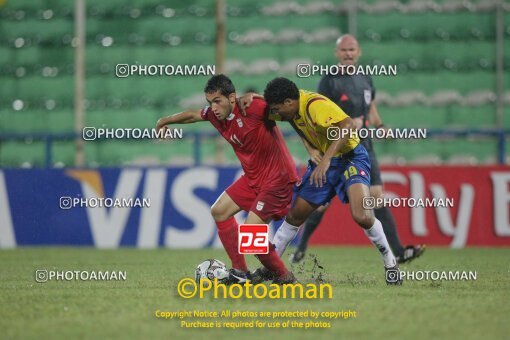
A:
[(126, 309)]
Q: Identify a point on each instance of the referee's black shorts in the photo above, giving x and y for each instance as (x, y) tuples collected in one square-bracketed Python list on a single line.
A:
[(375, 172)]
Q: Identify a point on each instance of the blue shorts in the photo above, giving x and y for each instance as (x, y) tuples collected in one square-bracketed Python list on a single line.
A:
[(344, 171)]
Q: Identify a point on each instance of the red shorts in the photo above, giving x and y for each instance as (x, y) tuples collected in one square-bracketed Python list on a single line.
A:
[(268, 203)]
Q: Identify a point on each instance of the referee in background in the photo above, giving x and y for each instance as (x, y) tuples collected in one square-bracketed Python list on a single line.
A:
[(355, 94)]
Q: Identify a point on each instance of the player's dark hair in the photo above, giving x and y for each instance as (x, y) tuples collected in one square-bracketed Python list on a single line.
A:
[(221, 83), (279, 89)]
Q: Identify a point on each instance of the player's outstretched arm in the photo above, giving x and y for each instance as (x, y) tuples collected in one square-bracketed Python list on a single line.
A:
[(186, 117)]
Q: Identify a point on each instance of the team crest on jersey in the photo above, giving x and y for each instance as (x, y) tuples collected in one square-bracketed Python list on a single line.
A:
[(260, 205), (368, 97), (240, 122), (231, 116)]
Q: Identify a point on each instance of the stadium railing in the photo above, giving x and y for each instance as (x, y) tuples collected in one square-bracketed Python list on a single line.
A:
[(49, 138)]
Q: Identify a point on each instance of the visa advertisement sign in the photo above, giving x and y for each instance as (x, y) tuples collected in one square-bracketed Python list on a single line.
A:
[(34, 211)]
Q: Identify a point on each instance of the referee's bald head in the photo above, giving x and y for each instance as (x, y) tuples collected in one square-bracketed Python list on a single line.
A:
[(347, 50), (347, 38)]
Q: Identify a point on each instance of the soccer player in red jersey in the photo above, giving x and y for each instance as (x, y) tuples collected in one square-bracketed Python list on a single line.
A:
[(265, 189)]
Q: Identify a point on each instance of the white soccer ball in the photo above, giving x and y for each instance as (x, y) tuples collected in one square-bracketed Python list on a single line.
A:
[(211, 269)]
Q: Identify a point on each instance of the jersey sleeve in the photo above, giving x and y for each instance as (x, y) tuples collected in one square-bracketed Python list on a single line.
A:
[(325, 113), (204, 112)]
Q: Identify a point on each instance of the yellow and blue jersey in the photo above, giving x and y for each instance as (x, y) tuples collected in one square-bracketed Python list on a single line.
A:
[(316, 114)]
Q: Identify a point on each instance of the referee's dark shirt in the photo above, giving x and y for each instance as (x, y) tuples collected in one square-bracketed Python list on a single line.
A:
[(353, 93)]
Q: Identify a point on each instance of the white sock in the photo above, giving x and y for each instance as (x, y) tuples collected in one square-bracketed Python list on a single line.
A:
[(284, 235), (376, 235)]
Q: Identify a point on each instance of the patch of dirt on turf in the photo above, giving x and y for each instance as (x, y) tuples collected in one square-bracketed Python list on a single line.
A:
[(310, 270), (435, 284), (355, 279)]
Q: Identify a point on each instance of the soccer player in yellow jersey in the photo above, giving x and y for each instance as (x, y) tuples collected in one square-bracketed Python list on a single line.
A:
[(343, 171)]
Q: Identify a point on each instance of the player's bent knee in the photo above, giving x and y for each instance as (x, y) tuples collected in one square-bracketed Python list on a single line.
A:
[(294, 220), (376, 192), (218, 213)]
